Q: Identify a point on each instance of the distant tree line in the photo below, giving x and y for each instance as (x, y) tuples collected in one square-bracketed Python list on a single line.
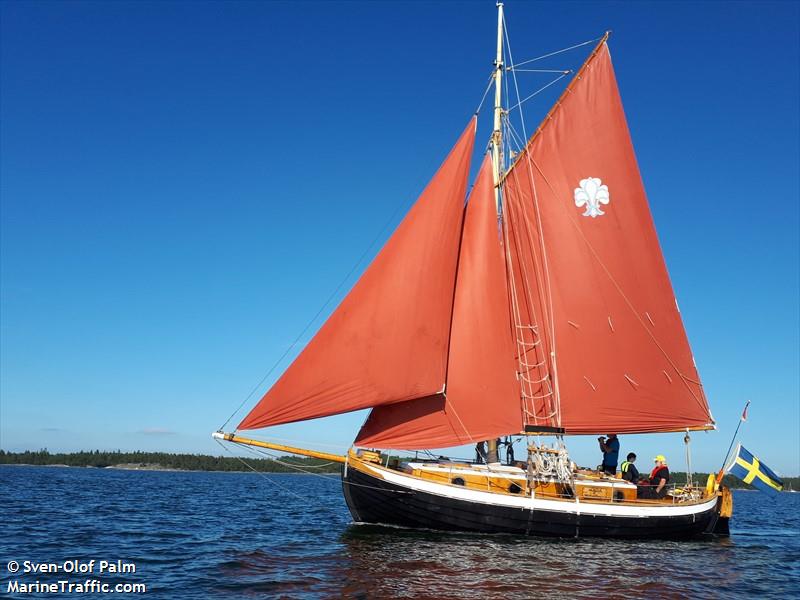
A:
[(283, 464), (164, 460)]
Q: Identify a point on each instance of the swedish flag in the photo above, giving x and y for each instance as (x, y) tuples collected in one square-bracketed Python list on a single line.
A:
[(749, 469)]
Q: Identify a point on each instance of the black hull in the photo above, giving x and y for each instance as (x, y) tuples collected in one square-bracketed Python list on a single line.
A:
[(374, 500)]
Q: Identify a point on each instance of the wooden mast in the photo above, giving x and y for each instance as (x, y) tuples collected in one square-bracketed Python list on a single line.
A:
[(497, 159), (497, 133)]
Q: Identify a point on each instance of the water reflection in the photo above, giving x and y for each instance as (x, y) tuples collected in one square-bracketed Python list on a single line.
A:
[(385, 562)]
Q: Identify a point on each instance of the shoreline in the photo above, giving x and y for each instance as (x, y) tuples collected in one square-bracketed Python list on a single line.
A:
[(162, 469)]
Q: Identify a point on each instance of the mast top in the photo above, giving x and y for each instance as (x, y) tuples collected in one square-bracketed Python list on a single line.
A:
[(557, 103), (497, 133)]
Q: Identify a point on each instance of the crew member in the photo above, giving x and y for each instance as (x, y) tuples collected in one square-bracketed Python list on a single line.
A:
[(629, 470), (656, 487), (610, 448), (480, 453)]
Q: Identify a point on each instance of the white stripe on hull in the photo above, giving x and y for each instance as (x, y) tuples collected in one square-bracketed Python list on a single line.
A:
[(528, 503)]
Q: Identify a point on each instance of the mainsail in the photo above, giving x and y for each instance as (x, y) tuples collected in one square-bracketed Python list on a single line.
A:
[(618, 356), (387, 341)]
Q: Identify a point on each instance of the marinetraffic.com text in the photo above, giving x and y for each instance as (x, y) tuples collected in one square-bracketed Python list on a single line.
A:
[(87, 582)]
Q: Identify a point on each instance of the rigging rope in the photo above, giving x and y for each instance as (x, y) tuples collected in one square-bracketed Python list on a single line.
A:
[(539, 70), (455, 412), (276, 458), (539, 91), (544, 286), (525, 62), (523, 347), (270, 479), (485, 93)]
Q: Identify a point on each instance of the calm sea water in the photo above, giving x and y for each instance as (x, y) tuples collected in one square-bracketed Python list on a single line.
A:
[(244, 535)]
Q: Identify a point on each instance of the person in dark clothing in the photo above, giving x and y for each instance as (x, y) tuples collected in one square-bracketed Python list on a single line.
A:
[(610, 448), (629, 470), (480, 453), (656, 487)]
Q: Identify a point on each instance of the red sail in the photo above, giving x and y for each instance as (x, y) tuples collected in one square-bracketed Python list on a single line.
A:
[(387, 341), (622, 361), (482, 396)]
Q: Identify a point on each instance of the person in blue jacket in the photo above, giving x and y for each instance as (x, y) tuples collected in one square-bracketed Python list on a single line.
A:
[(610, 447)]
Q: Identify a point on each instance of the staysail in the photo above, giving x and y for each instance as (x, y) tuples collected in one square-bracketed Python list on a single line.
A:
[(387, 341), (618, 355), (481, 398)]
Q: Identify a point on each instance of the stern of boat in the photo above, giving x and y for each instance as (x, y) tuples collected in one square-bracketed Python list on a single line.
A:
[(725, 512)]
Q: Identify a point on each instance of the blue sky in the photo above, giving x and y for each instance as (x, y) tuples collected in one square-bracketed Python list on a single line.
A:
[(184, 184)]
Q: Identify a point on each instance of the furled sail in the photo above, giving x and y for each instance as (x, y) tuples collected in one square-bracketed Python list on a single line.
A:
[(618, 357), (387, 341), (481, 398)]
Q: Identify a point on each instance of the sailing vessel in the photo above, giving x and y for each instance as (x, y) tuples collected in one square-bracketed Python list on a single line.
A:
[(541, 307)]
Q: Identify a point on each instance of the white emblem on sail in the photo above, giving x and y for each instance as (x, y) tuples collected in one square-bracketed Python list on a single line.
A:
[(591, 194)]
